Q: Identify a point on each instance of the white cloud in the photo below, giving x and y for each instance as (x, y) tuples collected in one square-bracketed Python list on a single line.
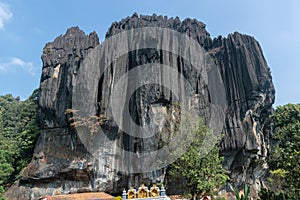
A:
[(5, 14), (12, 64)]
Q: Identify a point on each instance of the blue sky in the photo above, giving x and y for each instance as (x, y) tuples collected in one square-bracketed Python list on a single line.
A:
[(27, 25)]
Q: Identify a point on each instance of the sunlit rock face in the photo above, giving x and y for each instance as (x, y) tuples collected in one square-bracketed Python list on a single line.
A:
[(62, 160)]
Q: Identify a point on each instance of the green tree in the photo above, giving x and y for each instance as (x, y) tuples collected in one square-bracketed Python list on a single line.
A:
[(1, 121), (18, 133), (202, 174), (284, 161)]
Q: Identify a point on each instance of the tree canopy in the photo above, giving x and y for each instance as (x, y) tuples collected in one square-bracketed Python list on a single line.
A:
[(18, 133), (203, 174), (284, 158)]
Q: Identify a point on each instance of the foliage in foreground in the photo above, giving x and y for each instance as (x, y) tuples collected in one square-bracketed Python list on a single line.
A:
[(284, 161), (203, 174), (245, 196), (18, 133), (266, 194)]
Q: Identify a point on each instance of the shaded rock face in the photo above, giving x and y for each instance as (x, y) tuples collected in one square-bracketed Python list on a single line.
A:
[(63, 164)]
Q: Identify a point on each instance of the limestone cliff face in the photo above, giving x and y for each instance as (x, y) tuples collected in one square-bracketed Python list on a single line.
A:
[(63, 164), (250, 95)]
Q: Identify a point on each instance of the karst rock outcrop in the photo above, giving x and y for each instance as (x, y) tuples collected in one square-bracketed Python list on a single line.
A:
[(63, 162)]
